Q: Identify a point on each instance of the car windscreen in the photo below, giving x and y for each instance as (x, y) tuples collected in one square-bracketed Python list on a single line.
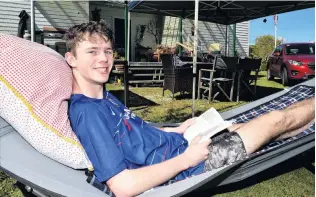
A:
[(300, 49)]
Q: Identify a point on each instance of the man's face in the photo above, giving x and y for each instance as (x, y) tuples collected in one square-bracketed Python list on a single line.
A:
[(93, 60)]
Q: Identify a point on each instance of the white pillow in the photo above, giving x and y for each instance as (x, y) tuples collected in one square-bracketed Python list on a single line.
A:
[(35, 84)]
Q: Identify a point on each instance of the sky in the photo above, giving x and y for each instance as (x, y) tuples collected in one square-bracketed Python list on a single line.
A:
[(297, 26)]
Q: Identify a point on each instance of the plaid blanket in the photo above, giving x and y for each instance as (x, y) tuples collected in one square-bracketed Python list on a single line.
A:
[(294, 95)]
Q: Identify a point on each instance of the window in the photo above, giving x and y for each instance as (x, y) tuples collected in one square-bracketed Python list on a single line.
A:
[(300, 49), (278, 49)]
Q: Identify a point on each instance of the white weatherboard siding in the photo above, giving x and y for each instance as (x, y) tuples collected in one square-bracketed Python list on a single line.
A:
[(57, 14), (208, 33), (242, 39), (9, 15), (170, 31)]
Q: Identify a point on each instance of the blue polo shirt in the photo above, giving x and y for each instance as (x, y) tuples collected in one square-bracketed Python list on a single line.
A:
[(116, 139)]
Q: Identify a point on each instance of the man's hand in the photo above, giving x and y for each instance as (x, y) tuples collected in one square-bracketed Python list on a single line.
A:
[(131, 182), (185, 125), (196, 152), (182, 128)]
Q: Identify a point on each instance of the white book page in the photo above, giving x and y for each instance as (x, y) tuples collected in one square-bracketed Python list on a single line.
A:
[(212, 116), (212, 131)]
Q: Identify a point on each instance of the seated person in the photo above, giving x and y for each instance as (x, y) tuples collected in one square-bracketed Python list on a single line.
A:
[(177, 61), (131, 156)]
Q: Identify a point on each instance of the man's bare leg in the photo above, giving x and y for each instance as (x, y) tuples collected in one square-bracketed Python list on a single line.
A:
[(295, 132), (234, 127), (277, 124)]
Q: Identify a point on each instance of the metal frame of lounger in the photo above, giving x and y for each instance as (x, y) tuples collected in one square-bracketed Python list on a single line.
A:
[(46, 177)]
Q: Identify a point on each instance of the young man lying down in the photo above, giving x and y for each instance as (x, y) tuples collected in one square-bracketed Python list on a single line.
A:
[(131, 156)]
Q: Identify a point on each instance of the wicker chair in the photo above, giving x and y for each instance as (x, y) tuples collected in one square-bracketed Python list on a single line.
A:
[(176, 79)]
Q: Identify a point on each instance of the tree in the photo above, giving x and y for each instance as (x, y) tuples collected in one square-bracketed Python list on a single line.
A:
[(140, 30), (263, 47), (154, 28)]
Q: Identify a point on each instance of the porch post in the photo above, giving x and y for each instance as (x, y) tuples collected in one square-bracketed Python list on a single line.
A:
[(32, 22), (126, 28), (196, 36)]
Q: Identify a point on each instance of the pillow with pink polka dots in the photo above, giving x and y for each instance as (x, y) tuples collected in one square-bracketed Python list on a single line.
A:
[(35, 84)]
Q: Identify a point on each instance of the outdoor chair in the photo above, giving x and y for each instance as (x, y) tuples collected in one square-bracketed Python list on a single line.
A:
[(246, 66), (222, 76), (43, 176), (205, 81), (176, 79), (226, 75)]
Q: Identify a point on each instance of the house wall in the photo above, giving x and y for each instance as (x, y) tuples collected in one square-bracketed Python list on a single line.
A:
[(62, 14), (110, 11), (208, 33), (242, 33), (57, 14), (242, 39)]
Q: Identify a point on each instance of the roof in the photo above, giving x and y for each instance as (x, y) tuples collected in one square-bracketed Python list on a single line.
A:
[(293, 43), (222, 12)]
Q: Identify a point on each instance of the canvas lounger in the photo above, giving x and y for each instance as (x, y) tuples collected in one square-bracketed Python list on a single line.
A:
[(47, 177)]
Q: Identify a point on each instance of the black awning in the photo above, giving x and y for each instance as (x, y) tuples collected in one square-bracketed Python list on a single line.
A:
[(222, 12)]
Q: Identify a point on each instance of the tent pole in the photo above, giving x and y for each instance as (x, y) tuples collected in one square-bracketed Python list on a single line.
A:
[(32, 22), (196, 22), (180, 35), (226, 47), (234, 40), (126, 28)]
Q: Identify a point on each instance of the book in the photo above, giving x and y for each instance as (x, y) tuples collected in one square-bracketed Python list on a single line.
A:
[(207, 125)]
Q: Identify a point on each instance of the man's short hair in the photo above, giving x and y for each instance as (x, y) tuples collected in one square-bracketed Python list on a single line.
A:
[(79, 33)]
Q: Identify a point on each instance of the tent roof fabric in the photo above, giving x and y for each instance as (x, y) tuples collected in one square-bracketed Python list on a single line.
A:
[(221, 12)]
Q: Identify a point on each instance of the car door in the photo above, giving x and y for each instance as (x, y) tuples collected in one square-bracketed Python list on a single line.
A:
[(279, 60), (273, 60)]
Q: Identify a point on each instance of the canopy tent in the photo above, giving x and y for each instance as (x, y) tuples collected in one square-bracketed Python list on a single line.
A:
[(222, 12)]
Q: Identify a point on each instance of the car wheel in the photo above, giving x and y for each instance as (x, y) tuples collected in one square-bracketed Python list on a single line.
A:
[(285, 79), (269, 76)]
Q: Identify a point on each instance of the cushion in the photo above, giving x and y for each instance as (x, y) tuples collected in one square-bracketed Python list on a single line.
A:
[(35, 84)]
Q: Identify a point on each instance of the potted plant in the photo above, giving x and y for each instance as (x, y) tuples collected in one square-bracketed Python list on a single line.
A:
[(120, 67)]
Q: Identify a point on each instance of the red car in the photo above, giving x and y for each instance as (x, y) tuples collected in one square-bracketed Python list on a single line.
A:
[(292, 61)]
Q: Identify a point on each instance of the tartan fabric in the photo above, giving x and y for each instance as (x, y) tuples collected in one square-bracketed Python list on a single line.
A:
[(296, 94)]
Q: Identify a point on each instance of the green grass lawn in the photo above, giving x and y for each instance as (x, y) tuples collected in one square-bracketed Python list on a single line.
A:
[(147, 102)]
